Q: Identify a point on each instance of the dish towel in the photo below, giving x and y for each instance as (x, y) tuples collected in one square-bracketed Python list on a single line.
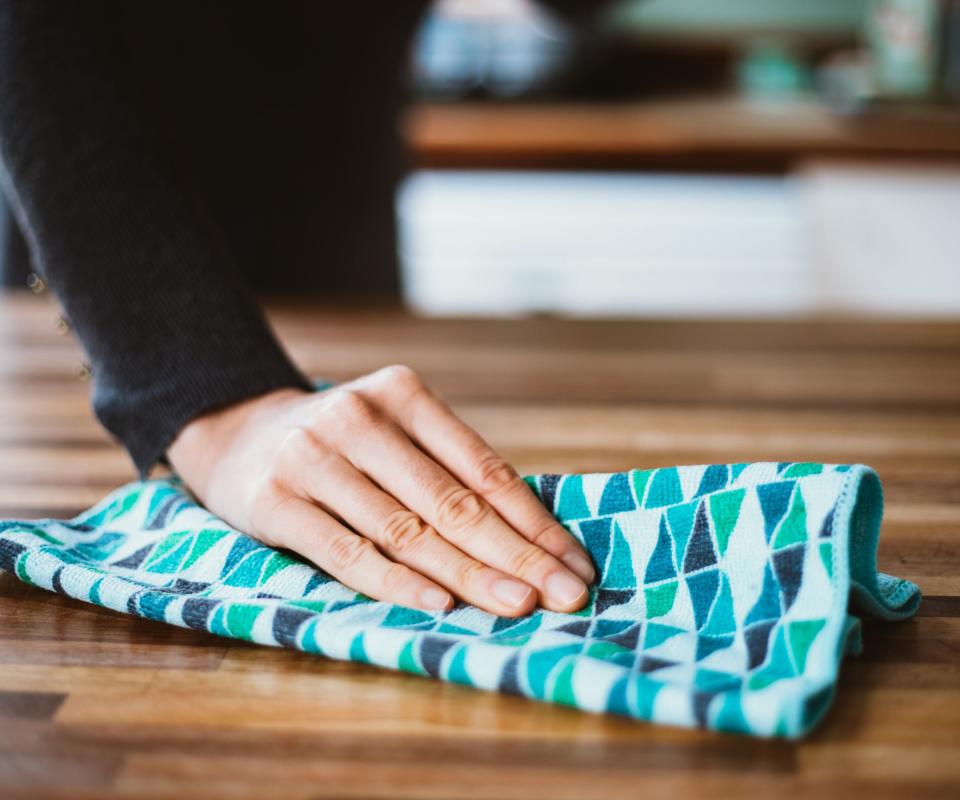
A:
[(722, 598)]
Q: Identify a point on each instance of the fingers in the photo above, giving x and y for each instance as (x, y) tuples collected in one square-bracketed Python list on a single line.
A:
[(353, 560), (433, 426), (403, 537), (459, 514)]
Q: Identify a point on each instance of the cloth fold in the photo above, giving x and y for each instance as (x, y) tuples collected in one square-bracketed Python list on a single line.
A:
[(724, 598)]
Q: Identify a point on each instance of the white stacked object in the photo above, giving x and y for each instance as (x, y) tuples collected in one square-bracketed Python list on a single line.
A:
[(600, 244), (833, 238)]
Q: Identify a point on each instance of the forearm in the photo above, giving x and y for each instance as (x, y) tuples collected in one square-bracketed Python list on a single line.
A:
[(144, 274)]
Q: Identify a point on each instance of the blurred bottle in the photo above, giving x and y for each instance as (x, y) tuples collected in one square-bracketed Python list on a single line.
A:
[(910, 54), (902, 39)]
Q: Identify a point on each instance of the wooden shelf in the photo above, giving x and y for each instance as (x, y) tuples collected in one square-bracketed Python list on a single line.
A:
[(727, 132)]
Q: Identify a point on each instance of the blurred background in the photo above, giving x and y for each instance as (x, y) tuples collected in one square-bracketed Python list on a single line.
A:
[(685, 157), (677, 158)]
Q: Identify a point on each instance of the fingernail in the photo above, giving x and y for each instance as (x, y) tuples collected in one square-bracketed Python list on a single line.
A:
[(511, 593), (580, 564), (564, 589), (434, 599)]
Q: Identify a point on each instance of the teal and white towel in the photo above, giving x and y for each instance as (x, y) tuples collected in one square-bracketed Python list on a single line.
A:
[(723, 600)]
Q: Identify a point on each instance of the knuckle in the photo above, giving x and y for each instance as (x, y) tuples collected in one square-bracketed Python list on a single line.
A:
[(270, 488), (545, 534), (526, 560), (298, 444), (467, 573), (403, 530), (347, 551), (395, 579), (460, 508), (301, 454), (350, 409), (270, 492), (399, 373), (496, 475), (400, 382)]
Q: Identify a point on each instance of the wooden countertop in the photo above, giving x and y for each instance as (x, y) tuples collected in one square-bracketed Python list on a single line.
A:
[(96, 704)]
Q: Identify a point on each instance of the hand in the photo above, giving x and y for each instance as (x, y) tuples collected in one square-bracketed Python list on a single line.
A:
[(381, 485)]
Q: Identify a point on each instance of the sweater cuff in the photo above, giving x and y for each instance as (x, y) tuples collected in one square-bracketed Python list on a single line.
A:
[(147, 436)]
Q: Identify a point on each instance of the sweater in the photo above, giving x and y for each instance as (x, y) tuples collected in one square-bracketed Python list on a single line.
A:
[(167, 160)]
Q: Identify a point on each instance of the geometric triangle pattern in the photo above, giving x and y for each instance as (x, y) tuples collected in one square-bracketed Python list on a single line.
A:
[(721, 600)]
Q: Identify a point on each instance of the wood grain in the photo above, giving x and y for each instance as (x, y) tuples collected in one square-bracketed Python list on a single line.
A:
[(95, 704)]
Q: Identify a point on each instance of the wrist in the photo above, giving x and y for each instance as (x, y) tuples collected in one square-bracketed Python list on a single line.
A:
[(207, 438)]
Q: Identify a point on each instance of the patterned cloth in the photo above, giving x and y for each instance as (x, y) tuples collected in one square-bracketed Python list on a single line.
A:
[(722, 600)]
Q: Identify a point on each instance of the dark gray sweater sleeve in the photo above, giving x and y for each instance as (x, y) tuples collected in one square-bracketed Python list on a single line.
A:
[(145, 276)]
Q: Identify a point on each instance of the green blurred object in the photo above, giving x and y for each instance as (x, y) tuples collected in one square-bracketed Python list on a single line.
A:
[(769, 71), (741, 19)]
